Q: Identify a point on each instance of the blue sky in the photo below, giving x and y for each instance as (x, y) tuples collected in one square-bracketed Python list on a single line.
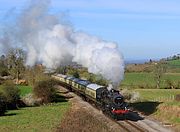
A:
[(143, 29)]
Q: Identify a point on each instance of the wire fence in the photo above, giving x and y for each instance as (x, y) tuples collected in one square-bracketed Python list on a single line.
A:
[(164, 98)]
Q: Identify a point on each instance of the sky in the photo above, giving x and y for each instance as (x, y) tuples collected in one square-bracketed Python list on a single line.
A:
[(143, 29)]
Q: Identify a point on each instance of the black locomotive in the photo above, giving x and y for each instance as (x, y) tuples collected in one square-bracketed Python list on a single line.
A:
[(113, 104)]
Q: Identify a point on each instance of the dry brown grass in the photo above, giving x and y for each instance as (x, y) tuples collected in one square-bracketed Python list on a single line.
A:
[(139, 67), (169, 115), (79, 120)]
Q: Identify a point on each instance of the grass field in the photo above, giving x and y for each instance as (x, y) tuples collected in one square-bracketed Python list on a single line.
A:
[(146, 80), (35, 119), (24, 90), (174, 62), (173, 66), (160, 95)]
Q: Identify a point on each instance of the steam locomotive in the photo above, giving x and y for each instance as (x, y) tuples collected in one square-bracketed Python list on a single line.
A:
[(111, 102)]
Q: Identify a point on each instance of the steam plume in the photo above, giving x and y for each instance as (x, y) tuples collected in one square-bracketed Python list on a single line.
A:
[(49, 40)]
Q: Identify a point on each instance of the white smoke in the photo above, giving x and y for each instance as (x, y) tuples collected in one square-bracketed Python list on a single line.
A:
[(49, 40)]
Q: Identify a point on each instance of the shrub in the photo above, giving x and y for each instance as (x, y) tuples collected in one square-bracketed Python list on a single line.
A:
[(170, 84), (178, 85), (45, 90), (3, 72), (177, 97), (73, 72), (101, 81), (1, 80), (2, 104), (76, 74), (11, 94)]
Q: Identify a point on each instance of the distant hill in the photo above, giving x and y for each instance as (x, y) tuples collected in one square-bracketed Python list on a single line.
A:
[(135, 61), (172, 63)]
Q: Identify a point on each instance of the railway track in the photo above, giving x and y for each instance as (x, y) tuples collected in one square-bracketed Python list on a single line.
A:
[(128, 126), (138, 128)]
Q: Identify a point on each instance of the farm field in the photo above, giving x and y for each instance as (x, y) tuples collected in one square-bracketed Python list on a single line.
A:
[(146, 80), (173, 66), (43, 118), (174, 63), (161, 95)]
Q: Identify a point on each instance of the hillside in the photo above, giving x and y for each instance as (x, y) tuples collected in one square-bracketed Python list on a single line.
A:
[(172, 66), (174, 62)]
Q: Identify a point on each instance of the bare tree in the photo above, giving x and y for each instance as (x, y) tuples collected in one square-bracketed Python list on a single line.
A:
[(35, 74), (159, 70), (15, 60)]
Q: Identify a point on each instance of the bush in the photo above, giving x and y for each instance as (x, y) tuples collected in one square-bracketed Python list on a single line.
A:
[(177, 97), (170, 84), (101, 81), (178, 85), (45, 90), (73, 72), (11, 94), (1, 80), (3, 72), (2, 104)]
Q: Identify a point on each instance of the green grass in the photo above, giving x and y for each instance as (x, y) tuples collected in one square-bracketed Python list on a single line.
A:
[(146, 80), (24, 90), (176, 120), (160, 95), (173, 66), (174, 62), (173, 103), (137, 79), (34, 119)]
